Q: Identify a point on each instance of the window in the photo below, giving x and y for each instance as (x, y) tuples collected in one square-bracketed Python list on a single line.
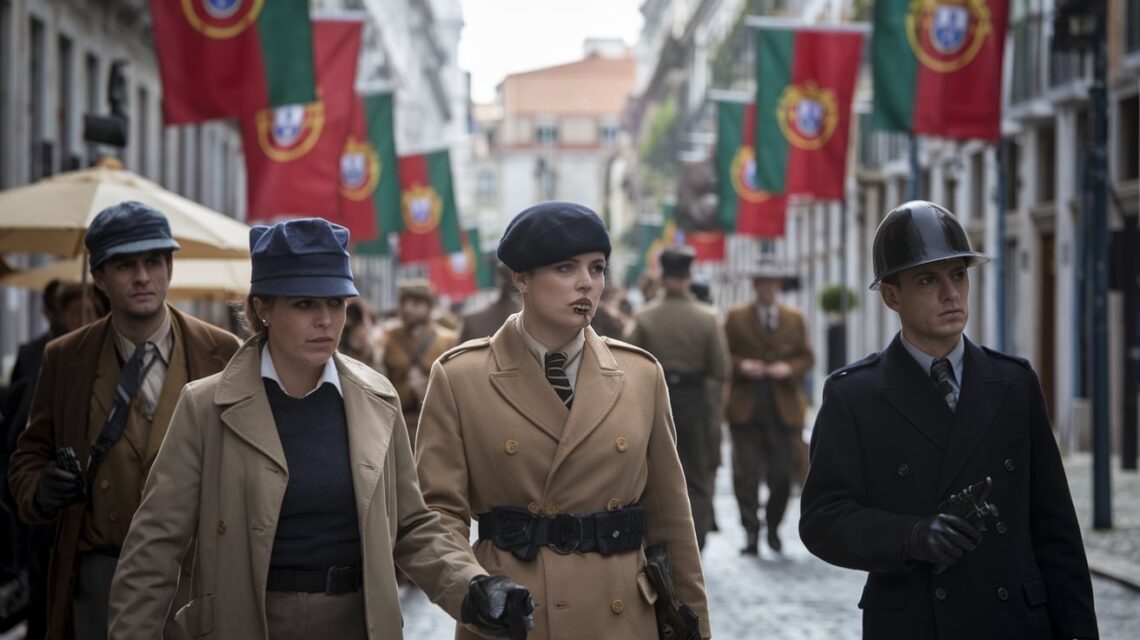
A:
[(978, 184), (5, 106), (546, 133), (1046, 163), (485, 186), (91, 70), (66, 112), (1132, 27), (1011, 158), (1128, 162), (40, 150), (609, 134)]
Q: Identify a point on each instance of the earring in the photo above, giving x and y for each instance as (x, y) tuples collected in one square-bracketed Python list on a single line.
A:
[(264, 322)]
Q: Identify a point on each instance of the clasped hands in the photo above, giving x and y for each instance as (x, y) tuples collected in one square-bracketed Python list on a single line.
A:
[(758, 369)]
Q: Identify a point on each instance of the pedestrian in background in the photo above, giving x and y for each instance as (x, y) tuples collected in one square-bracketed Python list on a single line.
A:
[(359, 338), (107, 391), (901, 430), (560, 444), (770, 352), (685, 337), (290, 479), (487, 320)]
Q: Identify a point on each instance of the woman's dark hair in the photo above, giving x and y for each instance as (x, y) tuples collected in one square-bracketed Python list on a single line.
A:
[(250, 320)]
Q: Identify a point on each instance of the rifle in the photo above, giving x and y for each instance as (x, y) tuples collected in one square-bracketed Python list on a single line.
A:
[(970, 504)]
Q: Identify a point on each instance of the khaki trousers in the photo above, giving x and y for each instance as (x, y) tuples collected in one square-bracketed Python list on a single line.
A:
[(301, 616)]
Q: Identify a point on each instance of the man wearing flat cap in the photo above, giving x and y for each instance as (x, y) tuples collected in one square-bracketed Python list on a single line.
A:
[(412, 344), (107, 391), (685, 336), (768, 343)]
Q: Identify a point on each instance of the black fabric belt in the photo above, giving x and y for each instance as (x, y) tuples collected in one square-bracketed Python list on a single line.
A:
[(523, 533), (684, 379), (333, 581)]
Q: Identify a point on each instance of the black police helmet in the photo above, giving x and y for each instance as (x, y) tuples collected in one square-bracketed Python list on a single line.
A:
[(916, 233)]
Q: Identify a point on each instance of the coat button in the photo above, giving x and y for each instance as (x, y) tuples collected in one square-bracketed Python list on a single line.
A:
[(618, 606), (904, 470), (512, 447), (622, 444), (1001, 528), (1009, 466), (113, 516), (104, 484), (940, 593), (534, 507), (1003, 594), (613, 505), (221, 527), (551, 509)]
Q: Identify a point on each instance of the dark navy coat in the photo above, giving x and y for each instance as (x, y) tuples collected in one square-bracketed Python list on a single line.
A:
[(887, 450)]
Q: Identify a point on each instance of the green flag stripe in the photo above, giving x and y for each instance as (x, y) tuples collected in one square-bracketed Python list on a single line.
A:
[(895, 68), (287, 51), (730, 127), (378, 112), (439, 172), (774, 50)]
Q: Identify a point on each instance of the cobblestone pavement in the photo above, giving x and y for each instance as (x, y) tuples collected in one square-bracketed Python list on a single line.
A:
[(1114, 552)]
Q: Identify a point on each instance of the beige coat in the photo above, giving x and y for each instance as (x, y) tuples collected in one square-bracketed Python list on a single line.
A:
[(493, 433), (220, 477)]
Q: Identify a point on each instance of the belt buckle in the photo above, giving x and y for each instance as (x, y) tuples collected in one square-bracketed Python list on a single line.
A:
[(517, 532), (565, 533)]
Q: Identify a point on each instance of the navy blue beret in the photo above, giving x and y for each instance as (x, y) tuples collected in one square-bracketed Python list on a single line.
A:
[(301, 258), (551, 232), (127, 228)]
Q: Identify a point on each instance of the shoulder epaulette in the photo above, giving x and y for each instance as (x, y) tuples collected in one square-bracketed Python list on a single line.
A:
[(470, 345), (855, 366), (618, 344), (1008, 356)]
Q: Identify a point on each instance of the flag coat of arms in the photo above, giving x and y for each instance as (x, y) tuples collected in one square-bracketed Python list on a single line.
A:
[(937, 66), (429, 222), (224, 58), (369, 186), (292, 153), (742, 207), (805, 82)]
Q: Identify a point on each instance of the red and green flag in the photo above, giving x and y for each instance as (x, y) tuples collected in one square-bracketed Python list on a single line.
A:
[(484, 262), (805, 80), (937, 66), (223, 58), (369, 186), (709, 245), (742, 207), (429, 224), (463, 273), (293, 153)]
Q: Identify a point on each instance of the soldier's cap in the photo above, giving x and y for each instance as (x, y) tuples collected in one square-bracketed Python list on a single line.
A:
[(301, 258), (416, 289), (127, 228), (676, 261), (551, 232), (767, 269)]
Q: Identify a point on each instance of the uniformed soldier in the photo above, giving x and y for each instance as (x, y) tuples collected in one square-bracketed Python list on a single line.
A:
[(685, 336), (487, 320), (902, 430), (560, 443), (770, 353)]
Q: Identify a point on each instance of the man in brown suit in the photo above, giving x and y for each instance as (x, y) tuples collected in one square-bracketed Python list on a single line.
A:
[(82, 394), (484, 322), (770, 355), (412, 345)]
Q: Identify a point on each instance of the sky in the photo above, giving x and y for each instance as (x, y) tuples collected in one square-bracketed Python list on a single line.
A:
[(507, 36)]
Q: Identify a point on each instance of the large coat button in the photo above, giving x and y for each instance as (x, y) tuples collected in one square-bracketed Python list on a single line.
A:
[(904, 470), (221, 527), (534, 507), (622, 444), (104, 484), (512, 447), (1003, 594), (551, 509), (618, 606), (113, 516), (1001, 528), (940, 593), (613, 505), (1009, 466)]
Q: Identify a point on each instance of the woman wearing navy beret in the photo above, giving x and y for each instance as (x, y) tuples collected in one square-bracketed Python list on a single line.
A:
[(288, 484), (560, 445)]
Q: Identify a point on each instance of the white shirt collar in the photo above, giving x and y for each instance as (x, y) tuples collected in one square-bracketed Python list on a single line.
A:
[(329, 375)]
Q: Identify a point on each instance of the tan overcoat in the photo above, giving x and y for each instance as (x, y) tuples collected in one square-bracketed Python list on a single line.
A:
[(494, 433), (220, 477), (747, 338)]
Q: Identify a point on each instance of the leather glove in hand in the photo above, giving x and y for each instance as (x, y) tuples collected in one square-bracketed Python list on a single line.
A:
[(57, 489), (941, 539), (498, 607)]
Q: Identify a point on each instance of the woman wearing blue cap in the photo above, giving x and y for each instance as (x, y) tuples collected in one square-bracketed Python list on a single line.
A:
[(289, 479), (560, 445)]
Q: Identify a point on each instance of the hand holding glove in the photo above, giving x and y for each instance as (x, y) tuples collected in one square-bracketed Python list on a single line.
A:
[(57, 489), (941, 539), (498, 607)]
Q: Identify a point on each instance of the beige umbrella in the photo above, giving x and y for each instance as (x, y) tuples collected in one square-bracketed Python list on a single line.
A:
[(217, 279), (52, 215)]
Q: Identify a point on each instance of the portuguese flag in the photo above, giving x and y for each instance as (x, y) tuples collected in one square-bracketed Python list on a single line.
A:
[(429, 224), (223, 58), (369, 186), (293, 153), (741, 206), (937, 67), (709, 245), (805, 79), (457, 275)]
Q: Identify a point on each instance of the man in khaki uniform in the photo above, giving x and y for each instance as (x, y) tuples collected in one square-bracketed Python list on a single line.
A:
[(412, 345), (684, 335), (83, 385), (485, 321), (770, 354)]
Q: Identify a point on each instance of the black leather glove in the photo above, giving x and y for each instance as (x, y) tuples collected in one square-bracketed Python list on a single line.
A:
[(498, 607), (941, 539), (57, 489)]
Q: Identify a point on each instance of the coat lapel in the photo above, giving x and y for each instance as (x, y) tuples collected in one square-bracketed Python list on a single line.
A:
[(979, 401), (371, 416), (523, 383), (248, 414), (909, 390)]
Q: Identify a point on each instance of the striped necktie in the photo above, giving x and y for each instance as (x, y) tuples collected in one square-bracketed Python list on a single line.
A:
[(943, 374), (556, 374)]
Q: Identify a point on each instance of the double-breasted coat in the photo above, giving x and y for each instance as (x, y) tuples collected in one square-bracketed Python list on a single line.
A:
[(219, 481), (747, 339), (493, 433), (887, 450), (69, 385)]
